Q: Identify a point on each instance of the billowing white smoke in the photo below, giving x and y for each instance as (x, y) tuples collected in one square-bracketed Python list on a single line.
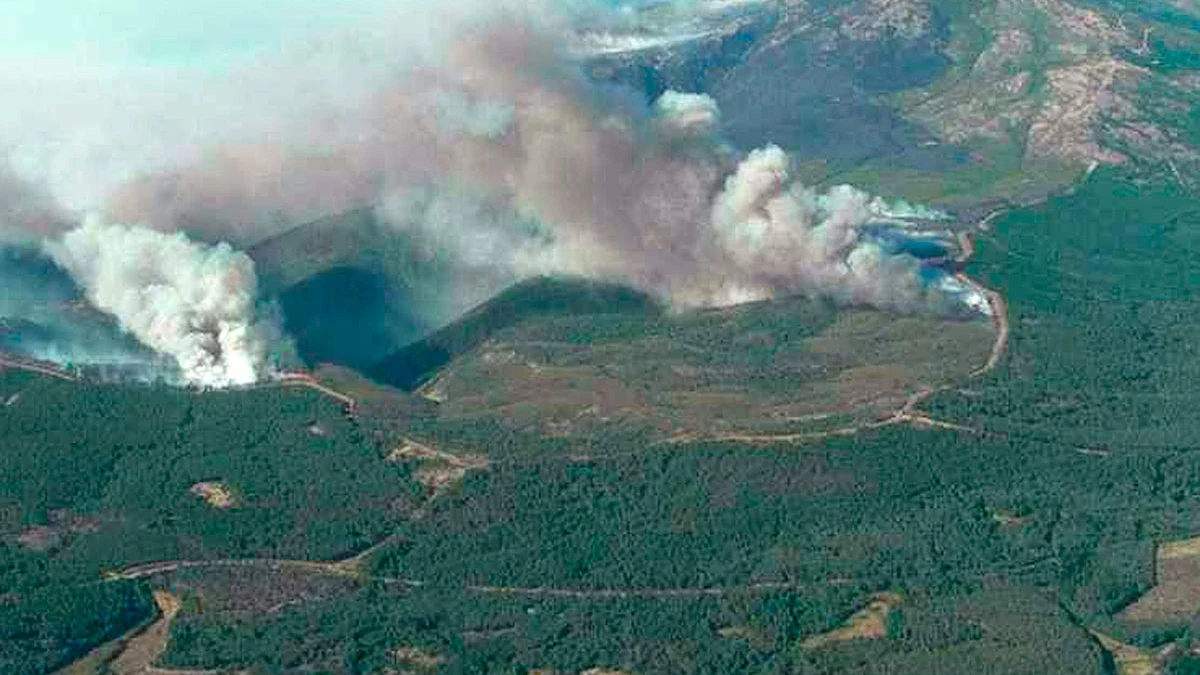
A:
[(493, 150), (192, 302), (688, 113)]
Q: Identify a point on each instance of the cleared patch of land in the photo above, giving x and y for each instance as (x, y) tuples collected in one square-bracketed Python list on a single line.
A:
[(1130, 660), (143, 650), (1176, 596), (868, 623), (136, 652), (420, 659), (214, 493), (439, 470)]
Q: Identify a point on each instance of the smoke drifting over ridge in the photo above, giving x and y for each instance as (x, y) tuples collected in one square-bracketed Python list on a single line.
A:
[(488, 144), (502, 130)]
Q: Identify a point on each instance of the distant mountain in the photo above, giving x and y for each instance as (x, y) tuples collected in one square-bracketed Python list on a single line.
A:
[(803, 76), (943, 100)]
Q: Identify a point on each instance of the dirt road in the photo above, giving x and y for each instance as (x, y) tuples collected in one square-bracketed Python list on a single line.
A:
[(341, 568), (309, 382), (36, 368), (620, 593)]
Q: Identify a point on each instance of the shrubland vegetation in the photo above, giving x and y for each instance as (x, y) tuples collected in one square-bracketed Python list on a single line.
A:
[(573, 359)]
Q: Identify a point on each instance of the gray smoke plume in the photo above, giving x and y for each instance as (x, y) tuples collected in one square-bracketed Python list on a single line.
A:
[(28, 212), (485, 144), (43, 315), (497, 149), (194, 303)]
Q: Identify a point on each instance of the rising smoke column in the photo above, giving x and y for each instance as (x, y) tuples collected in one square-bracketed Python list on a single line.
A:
[(647, 195), (494, 151), (783, 237), (192, 302)]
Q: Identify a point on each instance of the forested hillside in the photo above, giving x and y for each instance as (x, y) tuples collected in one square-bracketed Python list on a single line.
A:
[(1011, 543)]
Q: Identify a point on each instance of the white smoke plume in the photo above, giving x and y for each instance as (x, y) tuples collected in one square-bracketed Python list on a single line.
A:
[(688, 113), (192, 302), (485, 143)]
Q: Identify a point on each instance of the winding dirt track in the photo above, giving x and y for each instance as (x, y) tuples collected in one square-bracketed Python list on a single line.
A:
[(37, 368), (353, 571), (289, 380), (620, 593), (349, 568), (341, 569), (999, 317), (309, 382)]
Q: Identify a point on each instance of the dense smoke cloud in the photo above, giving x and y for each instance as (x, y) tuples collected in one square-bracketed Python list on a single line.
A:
[(194, 303), (27, 212), (475, 135), (501, 130)]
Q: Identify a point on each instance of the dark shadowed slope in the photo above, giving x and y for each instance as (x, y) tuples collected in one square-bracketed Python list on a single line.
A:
[(351, 290), (348, 316), (409, 367)]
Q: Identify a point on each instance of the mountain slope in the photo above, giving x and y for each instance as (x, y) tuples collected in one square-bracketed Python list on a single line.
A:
[(567, 357), (956, 102)]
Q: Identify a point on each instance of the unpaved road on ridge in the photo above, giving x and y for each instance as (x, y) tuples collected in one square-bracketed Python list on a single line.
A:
[(339, 568), (343, 568), (619, 593), (31, 367)]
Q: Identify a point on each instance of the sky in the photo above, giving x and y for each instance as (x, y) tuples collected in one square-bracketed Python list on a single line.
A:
[(94, 93), (179, 32)]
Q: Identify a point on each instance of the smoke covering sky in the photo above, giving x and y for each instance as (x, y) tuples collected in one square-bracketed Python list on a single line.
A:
[(465, 124)]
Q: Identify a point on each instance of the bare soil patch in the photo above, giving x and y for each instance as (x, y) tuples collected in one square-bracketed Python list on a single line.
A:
[(439, 470), (868, 623), (415, 657), (215, 493), (40, 538), (143, 650), (1128, 659)]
